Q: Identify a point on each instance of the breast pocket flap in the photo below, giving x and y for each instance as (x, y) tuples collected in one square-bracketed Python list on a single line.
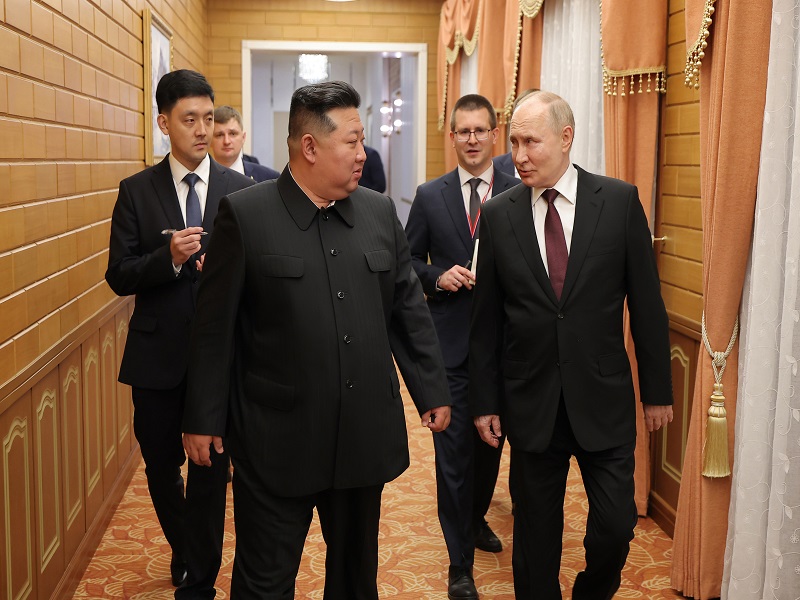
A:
[(276, 265), (266, 392), (379, 260)]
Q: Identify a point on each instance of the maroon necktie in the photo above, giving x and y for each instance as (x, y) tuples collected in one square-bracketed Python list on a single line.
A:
[(555, 243)]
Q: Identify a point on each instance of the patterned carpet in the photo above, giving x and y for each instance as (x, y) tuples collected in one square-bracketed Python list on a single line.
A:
[(132, 560)]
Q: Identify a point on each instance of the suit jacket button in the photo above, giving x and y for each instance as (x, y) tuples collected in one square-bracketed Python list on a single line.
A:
[(347, 339), (349, 384), (560, 315), (558, 364), (340, 295), (334, 252)]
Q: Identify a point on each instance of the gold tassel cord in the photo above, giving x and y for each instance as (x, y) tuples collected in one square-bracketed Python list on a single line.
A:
[(715, 446)]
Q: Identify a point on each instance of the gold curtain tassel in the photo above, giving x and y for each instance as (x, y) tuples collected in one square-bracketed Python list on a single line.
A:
[(715, 448)]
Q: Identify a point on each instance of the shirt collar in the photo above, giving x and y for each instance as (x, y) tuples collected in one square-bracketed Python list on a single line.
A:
[(238, 164), (567, 186), (464, 176), (179, 171)]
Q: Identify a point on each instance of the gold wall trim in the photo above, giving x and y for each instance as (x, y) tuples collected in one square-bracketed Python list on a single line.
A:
[(19, 429), (73, 377), (92, 479), (47, 551), (677, 353), (108, 343)]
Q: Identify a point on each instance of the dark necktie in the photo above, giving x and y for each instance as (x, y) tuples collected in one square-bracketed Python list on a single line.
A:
[(474, 203), (555, 243), (194, 217)]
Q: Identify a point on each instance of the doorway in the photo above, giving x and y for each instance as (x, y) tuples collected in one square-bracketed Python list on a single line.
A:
[(392, 81)]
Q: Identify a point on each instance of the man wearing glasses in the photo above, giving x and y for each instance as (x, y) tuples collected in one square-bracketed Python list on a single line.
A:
[(442, 228)]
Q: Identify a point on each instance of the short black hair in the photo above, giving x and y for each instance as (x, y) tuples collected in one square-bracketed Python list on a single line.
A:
[(179, 84), (472, 102), (311, 103)]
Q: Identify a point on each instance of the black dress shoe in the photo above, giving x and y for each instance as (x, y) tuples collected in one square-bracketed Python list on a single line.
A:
[(177, 569), (486, 540), (460, 585)]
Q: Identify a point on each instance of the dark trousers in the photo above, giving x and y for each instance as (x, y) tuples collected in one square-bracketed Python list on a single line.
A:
[(466, 473), (539, 486), (271, 531), (193, 522)]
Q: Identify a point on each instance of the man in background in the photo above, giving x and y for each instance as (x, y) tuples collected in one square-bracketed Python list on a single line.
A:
[(158, 239), (558, 259), (505, 162), (308, 299), (442, 227), (373, 176), (227, 143)]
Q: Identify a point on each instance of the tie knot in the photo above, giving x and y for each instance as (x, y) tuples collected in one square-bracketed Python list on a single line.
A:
[(191, 179), (550, 195), (474, 183)]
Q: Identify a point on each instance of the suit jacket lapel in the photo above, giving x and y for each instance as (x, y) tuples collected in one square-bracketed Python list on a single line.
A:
[(521, 218), (165, 191), (454, 201), (587, 212)]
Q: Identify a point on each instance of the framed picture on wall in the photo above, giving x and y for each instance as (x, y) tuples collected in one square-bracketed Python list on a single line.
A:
[(157, 63)]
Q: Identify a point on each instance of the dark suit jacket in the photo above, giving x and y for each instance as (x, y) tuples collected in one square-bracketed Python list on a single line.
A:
[(299, 314), (259, 173), (250, 158), (438, 231), (372, 175), (505, 164), (527, 348), (139, 262)]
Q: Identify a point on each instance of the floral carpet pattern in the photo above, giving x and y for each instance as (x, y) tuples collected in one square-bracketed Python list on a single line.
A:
[(132, 560)]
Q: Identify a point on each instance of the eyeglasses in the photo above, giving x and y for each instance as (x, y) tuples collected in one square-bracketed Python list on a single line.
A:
[(463, 135)]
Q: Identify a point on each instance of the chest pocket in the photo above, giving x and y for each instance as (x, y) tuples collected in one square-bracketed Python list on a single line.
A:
[(275, 265), (379, 260)]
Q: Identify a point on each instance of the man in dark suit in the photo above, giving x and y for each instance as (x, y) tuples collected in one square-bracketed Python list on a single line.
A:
[(156, 251), (227, 143), (308, 294), (373, 176), (505, 164), (442, 224), (558, 258)]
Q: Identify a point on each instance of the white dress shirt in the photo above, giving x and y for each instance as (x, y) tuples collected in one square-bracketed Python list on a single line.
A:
[(203, 171), (567, 188), (238, 164)]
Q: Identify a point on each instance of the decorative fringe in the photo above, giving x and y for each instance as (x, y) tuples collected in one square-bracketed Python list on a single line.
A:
[(715, 448), (614, 81), (695, 56)]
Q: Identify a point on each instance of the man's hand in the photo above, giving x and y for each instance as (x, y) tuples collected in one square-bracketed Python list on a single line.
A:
[(198, 447), (437, 419), (656, 416), (489, 429), (184, 243), (199, 263), (455, 278)]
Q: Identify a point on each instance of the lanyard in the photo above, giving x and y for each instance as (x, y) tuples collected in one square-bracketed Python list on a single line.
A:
[(474, 225)]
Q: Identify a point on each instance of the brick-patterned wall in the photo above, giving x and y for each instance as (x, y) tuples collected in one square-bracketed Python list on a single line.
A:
[(679, 183), (406, 21), (71, 126)]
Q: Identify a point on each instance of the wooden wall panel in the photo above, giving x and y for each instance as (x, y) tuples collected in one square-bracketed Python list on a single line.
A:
[(669, 443), (69, 373), (92, 426), (17, 525), (123, 392), (47, 470), (108, 388)]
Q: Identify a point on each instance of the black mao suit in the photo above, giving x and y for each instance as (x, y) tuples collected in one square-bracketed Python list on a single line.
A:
[(156, 354), (299, 316), (557, 372), (439, 237)]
